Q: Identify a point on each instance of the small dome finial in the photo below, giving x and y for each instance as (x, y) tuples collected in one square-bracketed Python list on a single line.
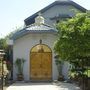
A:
[(39, 19)]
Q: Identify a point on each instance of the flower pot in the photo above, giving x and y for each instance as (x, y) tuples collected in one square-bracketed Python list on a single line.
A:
[(20, 77), (60, 78)]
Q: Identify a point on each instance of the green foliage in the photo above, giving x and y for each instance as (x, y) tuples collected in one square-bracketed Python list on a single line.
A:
[(3, 44), (57, 60), (73, 37), (19, 63)]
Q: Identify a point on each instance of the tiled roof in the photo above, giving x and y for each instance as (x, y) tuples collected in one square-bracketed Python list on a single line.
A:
[(38, 27), (34, 29)]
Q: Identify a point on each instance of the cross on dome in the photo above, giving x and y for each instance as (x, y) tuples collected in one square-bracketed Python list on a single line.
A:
[(39, 19)]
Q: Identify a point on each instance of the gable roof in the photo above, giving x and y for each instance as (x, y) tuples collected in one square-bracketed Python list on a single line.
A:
[(30, 19)]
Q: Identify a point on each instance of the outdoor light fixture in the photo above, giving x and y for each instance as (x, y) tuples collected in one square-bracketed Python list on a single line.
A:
[(1, 59), (10, 42)]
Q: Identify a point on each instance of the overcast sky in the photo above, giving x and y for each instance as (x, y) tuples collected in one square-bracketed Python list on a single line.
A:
[(13, 12)]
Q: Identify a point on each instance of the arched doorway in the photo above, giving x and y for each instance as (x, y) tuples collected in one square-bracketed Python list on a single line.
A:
[(40, 63)]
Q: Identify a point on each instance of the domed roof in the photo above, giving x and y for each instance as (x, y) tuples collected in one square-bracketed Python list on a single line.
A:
[(63, 0), (39, 24), (38, 27), (39, 19)]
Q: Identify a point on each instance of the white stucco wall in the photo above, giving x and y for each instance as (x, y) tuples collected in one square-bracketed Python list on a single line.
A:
[(22, 47)]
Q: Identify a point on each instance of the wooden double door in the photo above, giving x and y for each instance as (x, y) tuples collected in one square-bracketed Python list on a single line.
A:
[(41, 66)]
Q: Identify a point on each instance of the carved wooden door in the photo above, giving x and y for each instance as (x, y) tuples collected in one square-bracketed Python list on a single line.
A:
[(46, 66), (35, 72), (41, 66)]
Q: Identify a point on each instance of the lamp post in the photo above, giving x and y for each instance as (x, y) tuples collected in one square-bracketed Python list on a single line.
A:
[(1, 58), (10, 51)]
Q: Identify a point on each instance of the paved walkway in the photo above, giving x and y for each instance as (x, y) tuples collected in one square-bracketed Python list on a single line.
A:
[(43, 86)]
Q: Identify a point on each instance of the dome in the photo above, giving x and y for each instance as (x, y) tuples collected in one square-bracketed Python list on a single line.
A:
[(39, 20)]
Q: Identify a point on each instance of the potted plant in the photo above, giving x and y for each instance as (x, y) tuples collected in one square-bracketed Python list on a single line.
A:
[(19, 63)]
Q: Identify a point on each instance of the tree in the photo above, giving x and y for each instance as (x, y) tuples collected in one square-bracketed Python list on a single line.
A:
[(13, 32), (3, 44), (73, 37)]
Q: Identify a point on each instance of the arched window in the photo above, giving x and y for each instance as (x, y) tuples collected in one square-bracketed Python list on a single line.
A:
[(41, 48)]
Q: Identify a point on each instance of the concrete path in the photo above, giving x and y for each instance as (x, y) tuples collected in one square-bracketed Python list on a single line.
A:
[(43, 86)]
